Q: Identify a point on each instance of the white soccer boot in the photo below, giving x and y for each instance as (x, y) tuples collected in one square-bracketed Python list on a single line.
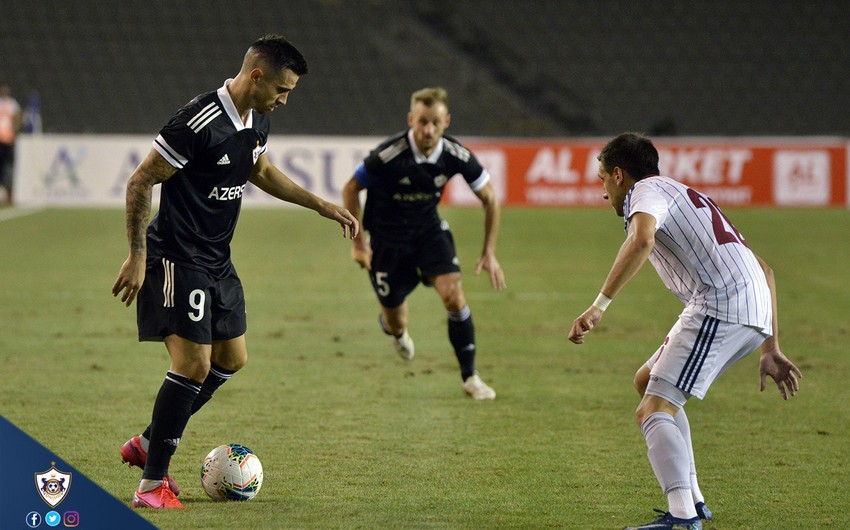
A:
[(404, 346), (478, 389)]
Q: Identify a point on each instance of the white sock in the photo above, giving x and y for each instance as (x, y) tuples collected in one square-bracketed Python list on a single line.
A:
[(668, 455), (685, 428), (144, 442), (681, 504), (695, 491), (148, 485)]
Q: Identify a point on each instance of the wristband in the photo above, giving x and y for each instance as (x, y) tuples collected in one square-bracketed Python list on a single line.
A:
[(601, 302)]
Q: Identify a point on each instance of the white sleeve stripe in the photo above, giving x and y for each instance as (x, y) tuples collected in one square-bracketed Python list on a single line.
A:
[(457, 150), (200, 116), (172, 156), (392, 151), (481, 181), (203, 124)]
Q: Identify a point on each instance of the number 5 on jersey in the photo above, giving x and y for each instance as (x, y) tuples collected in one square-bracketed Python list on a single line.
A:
[(381, 283)]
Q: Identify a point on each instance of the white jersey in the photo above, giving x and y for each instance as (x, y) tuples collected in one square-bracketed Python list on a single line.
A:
[(700, 256)]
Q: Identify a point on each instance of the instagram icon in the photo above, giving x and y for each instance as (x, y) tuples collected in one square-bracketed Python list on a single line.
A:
[(71, 519)]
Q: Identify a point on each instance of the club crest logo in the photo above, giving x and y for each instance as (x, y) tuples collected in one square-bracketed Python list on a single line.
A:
[(53, 485), (257, 151), (440, 180)]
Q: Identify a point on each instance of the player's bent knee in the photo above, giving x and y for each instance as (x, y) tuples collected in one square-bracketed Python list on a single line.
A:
[(238, 364), (638, 386), (650, 404), (232, 362), (233, 365), (195, 369), (640, 381), (641, 414), (453, 306), (450, 288), (230, 354), (453, 299)]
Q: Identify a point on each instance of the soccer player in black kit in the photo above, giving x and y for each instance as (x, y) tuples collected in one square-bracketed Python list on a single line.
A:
[(405, 177), (179, 267)]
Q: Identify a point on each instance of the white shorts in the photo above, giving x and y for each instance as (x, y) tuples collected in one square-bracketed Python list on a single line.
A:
[(696, 351)]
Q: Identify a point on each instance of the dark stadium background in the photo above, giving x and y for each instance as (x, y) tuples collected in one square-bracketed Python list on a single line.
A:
[(513, 68)]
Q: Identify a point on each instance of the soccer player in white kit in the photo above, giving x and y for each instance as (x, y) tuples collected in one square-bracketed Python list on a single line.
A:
[(730, 310)]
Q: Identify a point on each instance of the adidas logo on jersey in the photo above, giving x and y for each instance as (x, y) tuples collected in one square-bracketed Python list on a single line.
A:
[(405, 180), (223, 161)]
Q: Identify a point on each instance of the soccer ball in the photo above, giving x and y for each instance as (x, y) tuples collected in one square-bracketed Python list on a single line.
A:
[(231, 472)]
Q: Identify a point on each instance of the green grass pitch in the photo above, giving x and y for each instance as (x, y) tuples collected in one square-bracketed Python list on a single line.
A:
[(352, 437)]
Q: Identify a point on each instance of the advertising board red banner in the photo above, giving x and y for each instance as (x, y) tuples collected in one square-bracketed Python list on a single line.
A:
[(790, 172)]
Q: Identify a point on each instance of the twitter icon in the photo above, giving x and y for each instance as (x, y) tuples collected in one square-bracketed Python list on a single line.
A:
[(52, 518)]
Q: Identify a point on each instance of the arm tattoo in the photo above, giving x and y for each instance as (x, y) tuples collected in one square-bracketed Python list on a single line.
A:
[(152, 171)]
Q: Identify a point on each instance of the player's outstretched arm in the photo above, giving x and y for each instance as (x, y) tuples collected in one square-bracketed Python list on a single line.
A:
[(361, 252), (773, 362), (492, 223), (630, 258), (154, 169), (272, 181)]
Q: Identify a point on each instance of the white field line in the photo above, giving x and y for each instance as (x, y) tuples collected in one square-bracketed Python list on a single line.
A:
[(14, 213)]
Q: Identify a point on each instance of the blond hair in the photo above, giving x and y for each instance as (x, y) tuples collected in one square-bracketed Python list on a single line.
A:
[(429, 97)]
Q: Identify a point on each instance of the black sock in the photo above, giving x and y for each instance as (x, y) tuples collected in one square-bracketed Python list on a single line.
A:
[(171, 413), (217, 377), (462, 337)]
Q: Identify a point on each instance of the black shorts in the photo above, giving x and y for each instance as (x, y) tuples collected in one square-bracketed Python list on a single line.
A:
[(189, 303), (397, 268), (7, 161)]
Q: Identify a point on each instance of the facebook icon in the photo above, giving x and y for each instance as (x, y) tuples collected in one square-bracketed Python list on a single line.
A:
[(33, 519)]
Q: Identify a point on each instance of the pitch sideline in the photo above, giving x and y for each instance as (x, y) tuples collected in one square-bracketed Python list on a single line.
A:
[(14, 213)]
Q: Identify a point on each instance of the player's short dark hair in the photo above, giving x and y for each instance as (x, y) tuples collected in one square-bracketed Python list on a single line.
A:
[(280, 53), (631, 152)]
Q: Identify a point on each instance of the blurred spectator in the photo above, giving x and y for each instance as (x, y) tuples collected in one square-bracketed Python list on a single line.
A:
[(31, 122), (10, 124)]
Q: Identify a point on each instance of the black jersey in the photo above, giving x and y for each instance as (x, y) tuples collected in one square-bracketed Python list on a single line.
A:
[(404, 187), (214, 153)]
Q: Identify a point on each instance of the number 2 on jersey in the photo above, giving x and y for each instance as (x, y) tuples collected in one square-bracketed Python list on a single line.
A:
[(724, 231)]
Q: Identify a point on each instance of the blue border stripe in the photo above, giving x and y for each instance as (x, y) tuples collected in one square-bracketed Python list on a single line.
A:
[(714, 325), (698, 354), (697, 344)]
